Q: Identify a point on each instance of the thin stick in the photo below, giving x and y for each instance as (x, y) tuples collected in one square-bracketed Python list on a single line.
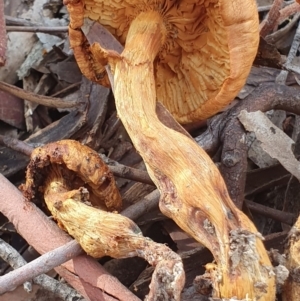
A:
[(72, 86), (39, 266), (15, 260), (17, 145), (143, 206), (3, 41), (40, 99), (19, 21), (130, 173), (264, 8), (277, 215), (50, 30)]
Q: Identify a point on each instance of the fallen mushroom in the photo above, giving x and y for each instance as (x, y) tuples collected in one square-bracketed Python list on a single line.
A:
[(194, 56), (68, 173)]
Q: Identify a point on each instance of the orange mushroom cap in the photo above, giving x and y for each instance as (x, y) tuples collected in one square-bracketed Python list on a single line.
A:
[(208, 53)]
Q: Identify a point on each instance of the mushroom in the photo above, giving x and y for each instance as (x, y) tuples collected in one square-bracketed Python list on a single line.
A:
[(74, 181), (202, 53), (194, 56), (70, 164)]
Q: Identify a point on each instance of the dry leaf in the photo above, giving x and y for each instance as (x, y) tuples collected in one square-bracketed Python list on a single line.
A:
[(273, 140)]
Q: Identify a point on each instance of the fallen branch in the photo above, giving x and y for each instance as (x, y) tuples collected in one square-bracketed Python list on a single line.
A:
[(143, 206), (16, 144)]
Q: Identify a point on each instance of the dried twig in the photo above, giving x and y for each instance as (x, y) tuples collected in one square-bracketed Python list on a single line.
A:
[(268, 25), (143, 206), (264, 8), (19, 21), (68, 88), (16, 144), (40, 99), (41, 265), (15, 260), (3, 43), (130, 173), (49, 30), (10, 281), (277, 215)]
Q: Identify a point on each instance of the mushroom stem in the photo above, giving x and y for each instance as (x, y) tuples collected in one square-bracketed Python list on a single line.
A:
[(193, 192)]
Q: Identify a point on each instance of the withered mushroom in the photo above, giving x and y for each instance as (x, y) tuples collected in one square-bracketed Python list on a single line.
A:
[(70, 165), (73, 180), (194, 56)]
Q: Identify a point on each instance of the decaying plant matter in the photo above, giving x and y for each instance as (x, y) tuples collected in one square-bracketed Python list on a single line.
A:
[(194, 56), (73, 179)]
